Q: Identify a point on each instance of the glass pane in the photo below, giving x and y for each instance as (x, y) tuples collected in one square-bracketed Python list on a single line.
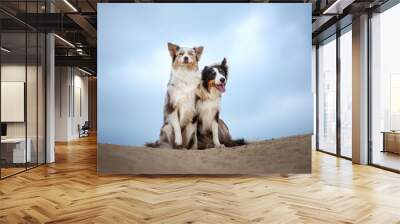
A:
[(31, 100), (13, 88), (346, 94), (386, 89), (41, 98), (327, 96)]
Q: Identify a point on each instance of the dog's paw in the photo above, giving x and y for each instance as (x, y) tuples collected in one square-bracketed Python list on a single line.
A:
[(178, 142), (220, 146), (179, 146)]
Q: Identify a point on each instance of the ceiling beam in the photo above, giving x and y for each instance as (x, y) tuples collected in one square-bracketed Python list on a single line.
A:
[(321, 21), (338, 6), (86, 26), (81, 61)]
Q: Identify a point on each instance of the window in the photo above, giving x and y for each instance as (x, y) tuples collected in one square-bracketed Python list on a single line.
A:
[(327, 95), (334, 138), (385, 89), (346, 92), (22, 78)]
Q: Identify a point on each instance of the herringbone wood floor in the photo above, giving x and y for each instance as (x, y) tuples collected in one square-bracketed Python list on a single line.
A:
[(70, 191)]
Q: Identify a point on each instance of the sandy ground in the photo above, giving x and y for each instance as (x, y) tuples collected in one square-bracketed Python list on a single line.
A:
[(284, 155)]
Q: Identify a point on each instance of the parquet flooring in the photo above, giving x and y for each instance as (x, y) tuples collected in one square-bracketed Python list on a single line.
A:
[(70, 191)]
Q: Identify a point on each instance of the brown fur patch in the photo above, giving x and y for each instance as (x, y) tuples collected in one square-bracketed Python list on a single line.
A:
[(210, 84), (216, 116), (223, 132), (186, 118), (163, 137), (200, 93), (173, 49), (191, 141), (197, 98), (190, 66), (169, 107), (199, 52), (183, 130), (195, 118)]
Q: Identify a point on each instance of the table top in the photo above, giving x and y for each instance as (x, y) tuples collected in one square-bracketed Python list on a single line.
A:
[(391, 132), (13, 140)]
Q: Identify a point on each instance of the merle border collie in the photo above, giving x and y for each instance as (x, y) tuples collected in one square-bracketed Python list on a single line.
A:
[(211, 130), (180, 119)]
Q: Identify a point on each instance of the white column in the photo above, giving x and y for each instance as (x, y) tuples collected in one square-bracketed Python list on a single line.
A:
[(50, 99), (314, 92), (50, 92), (360, 90)]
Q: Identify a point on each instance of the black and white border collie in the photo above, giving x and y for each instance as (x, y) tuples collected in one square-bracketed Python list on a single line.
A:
[(211, 130), (180, 119)]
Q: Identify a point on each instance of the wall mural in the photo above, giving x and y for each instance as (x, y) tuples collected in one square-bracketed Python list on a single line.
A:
[(204, 88)]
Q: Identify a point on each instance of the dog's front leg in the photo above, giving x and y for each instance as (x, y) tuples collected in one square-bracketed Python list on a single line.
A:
[(214, 129), (195, 144), (190, 136), (174, 120)]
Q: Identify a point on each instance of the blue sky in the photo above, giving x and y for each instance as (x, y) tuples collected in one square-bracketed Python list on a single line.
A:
[(268, 48)]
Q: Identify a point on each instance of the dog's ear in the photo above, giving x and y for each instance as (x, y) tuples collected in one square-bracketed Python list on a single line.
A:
[(199, 52), (173, 49), (224, 65)]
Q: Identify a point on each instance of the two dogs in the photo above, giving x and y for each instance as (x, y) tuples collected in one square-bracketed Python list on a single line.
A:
[(193, 102)]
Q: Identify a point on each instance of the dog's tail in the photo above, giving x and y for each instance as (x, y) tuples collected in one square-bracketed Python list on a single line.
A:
[(235, 142), (153, 144)]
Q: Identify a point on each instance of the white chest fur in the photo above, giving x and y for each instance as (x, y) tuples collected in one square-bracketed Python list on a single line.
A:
[(181, 90), (207, 111)]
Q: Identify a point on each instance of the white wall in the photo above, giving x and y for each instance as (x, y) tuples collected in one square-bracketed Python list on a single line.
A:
[(79, 117), (70, 84), (62, 82)]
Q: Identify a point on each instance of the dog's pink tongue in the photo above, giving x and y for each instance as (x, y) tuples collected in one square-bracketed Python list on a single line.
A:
[(221, 88)]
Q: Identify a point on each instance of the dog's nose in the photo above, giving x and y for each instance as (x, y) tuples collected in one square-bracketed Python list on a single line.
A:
[(186, 58), (222, 80)]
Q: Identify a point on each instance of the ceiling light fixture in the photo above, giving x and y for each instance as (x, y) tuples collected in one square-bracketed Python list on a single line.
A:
[(70, 5), (65, 41), (5, 50), (79, 51), (84, 71)]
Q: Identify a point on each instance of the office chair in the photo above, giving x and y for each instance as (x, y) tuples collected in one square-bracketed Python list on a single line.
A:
[(84, 130)]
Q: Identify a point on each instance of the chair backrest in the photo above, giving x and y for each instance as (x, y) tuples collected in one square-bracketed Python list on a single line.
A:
[(86, 125)]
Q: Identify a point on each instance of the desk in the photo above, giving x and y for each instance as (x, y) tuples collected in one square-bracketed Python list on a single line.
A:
[(391, 141), (15, 148)]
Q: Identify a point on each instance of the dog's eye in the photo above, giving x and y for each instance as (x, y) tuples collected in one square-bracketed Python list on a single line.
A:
[(181, 53)]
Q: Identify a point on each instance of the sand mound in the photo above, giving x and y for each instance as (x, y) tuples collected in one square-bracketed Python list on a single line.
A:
[(283, 155)]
